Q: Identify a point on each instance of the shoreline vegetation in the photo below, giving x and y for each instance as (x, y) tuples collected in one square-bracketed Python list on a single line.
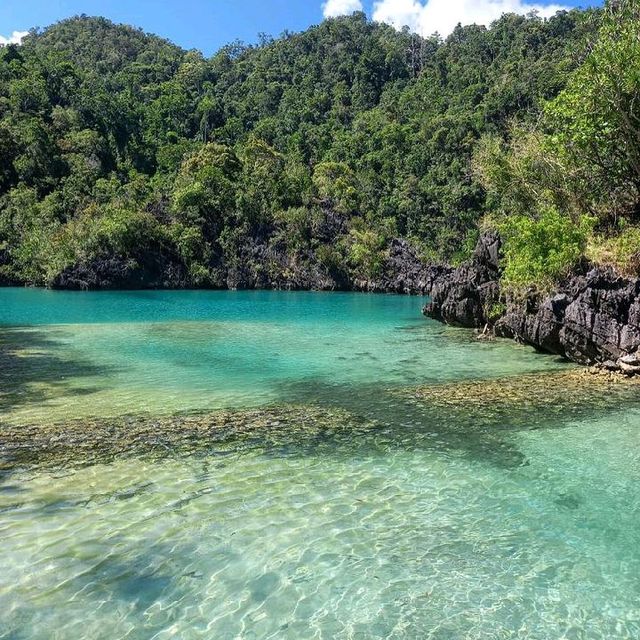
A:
[(300, 162), (127, 162)]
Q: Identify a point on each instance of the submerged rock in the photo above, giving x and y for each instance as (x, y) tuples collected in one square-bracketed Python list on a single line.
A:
[(91, 441), (567, 388), (529, 401)]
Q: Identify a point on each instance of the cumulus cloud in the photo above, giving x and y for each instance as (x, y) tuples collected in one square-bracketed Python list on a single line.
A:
[(334, 8), (442, 16), (14, 38)]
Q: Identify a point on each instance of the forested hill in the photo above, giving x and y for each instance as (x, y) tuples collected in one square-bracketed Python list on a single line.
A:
[(127, 161)]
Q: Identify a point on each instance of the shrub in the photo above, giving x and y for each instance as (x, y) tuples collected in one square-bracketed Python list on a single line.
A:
[(595, 121), (496, 311), (297, 226), (100, 231), (621, 251), (366, 252), (539, 251), (332, 259), (336, 183)]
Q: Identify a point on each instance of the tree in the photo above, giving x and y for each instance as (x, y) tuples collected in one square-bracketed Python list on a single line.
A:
[(336, 184), (203, 205), (595, 121), (318, 146)]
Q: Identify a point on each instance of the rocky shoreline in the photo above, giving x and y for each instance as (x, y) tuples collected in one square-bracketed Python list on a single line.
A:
[(261, 265), (592, 318)]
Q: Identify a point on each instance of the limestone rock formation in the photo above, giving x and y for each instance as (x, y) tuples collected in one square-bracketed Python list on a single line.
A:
[(592, 318)]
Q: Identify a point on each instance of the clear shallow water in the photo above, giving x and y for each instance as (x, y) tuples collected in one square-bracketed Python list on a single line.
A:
[(81, 354), (435, 521)]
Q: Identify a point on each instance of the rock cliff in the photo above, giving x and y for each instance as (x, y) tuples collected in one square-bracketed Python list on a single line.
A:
[(593, 317), (261, 263), (465, 296)]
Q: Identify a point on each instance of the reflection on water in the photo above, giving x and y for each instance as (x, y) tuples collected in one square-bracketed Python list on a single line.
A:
[(373, 475)]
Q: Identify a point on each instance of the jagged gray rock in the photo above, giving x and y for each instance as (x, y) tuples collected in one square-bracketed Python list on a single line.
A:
[(592, 320), (261, 264), (593, 317), (464, 296)]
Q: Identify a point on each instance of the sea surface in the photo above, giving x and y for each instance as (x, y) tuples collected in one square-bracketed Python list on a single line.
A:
[(236, 465)]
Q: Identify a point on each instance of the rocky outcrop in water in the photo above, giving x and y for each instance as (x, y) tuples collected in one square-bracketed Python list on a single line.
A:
[(267, 265), (403, 272), (149, 271), (465, 296), (261, 262), (593, 317)]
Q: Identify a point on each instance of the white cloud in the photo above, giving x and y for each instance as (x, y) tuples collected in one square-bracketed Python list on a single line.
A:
[(14, 38), (443, 15), (334, 8)]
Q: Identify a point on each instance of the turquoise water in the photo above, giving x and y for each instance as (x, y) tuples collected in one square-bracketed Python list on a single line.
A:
[(81, 354), (414, 514)]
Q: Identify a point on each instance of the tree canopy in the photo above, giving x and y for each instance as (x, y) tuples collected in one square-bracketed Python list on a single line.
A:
[(320, 146), (573, 175)]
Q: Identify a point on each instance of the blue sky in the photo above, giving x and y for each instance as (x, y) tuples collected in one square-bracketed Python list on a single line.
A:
[(209, 24)]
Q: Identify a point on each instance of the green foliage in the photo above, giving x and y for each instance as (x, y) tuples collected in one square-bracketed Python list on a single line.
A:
[(108, 230), (336, 184), (366, 252), (264, 185), (26, 227), (524, 176), (297, 227), (620, 250), (333, 259), (579, 165), (595, 122), (539, 251), (367, 247), (205, 188), (496, 311), (326, 143)]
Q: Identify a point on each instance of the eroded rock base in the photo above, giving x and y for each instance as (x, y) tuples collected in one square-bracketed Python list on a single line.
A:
[(593, 317)]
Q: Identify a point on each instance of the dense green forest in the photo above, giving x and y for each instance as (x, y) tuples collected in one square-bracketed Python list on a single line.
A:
[(127, 160)]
